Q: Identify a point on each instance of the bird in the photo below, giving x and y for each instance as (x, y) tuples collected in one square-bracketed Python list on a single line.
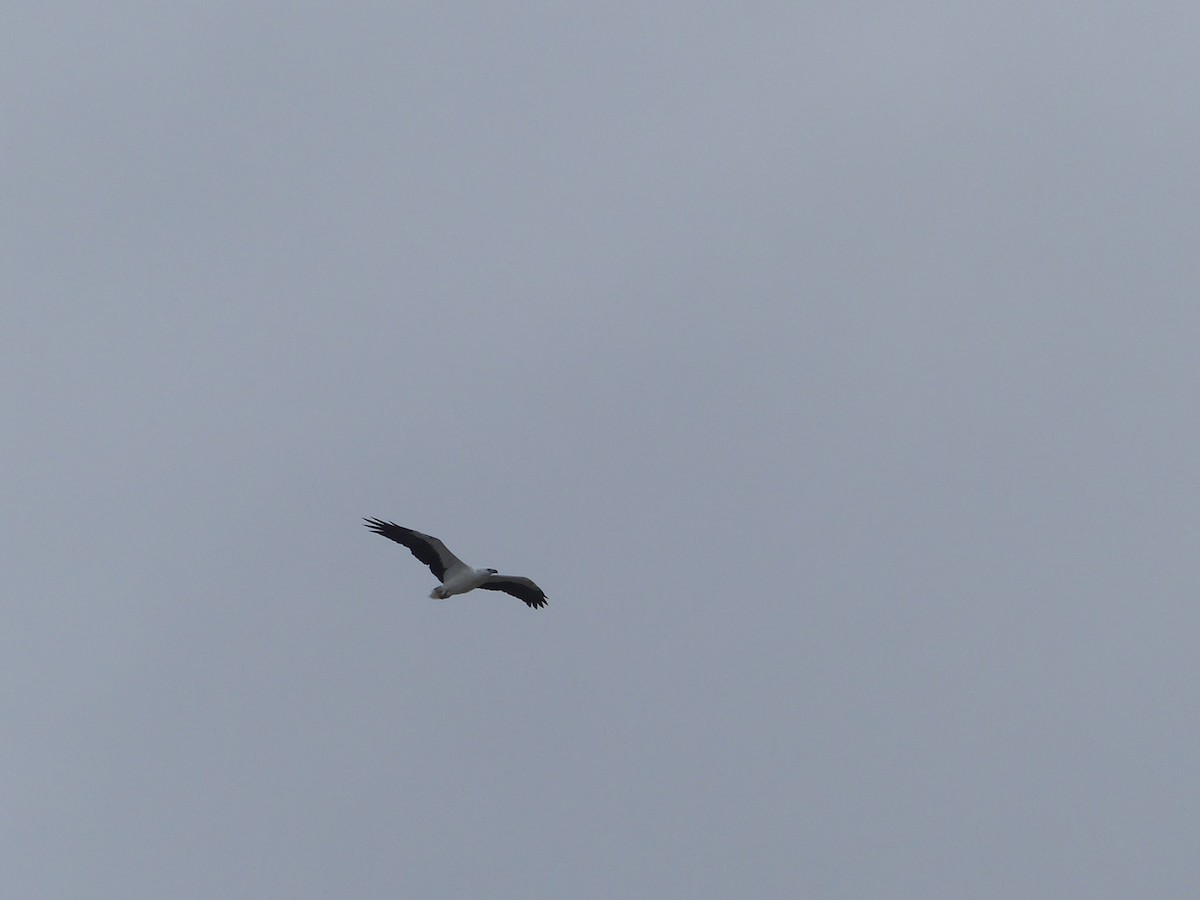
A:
[(456, 576)]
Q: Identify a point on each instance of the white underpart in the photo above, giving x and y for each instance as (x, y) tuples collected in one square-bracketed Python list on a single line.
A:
[(459, 580)]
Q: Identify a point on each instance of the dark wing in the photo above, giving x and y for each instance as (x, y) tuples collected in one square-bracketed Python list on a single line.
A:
[(428, 550), (519, 587)]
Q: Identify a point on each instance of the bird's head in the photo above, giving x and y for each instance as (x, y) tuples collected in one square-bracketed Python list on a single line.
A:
[(493, 571)]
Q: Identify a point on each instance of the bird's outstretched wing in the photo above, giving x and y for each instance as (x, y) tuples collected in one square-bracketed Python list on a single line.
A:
[(520, 587), (424, 547)]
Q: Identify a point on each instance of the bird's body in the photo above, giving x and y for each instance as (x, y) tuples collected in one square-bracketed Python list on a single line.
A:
[(456, 577), (459, 581)]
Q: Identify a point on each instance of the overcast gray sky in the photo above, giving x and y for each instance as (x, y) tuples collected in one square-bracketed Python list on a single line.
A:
[(831, 365)]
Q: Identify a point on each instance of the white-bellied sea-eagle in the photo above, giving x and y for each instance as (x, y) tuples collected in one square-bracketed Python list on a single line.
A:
[(456, 576)]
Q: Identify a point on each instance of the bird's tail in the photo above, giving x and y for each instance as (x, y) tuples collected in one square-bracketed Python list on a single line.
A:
[(437, 593)]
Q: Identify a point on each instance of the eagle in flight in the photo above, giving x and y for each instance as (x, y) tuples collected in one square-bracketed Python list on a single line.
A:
[(456, 576)]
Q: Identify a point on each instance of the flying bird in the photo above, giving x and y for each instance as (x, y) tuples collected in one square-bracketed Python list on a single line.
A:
[(456, 576)]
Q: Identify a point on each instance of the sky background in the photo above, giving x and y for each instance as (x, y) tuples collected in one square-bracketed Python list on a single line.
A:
[(832, 366)]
